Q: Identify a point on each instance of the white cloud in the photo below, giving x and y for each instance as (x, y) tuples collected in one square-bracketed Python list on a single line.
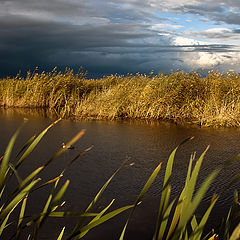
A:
[(202, 59), (189, 20), (218, 30), (170, 4), (208, 60), (204, 19), (165, 26), (185, 41)]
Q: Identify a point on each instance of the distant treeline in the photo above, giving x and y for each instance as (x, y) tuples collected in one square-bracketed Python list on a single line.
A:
[(211, 100)]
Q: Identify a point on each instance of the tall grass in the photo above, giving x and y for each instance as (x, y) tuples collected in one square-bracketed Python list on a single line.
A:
[(213, 100), (14, 199), (176, 217)]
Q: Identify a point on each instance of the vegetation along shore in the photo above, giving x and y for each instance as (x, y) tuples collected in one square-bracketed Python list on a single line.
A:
[(211, 100)]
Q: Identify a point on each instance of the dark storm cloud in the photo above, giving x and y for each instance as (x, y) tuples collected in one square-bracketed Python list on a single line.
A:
[(27, 42), (220, 14), (103, 36), (236, 31), (49, 33), (61, 8), (230, 18)]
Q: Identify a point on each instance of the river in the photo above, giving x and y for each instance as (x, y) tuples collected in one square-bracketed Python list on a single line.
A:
[(145, 144)]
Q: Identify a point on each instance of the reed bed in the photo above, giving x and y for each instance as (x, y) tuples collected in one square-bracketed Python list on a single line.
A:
[(181, 97)]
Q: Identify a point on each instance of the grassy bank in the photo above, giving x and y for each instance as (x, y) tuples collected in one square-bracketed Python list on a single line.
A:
[(213, 100)]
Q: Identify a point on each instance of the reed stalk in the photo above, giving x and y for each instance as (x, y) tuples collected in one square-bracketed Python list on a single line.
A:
[(186, 97)]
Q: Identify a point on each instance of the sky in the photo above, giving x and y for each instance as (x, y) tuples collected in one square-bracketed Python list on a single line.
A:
[(119, 36)]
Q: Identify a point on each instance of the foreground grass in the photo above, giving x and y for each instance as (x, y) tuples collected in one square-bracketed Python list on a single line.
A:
[(213, 100), (176, 217)]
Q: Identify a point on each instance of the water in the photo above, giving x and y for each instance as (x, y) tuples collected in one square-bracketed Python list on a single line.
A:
[(145, 144)]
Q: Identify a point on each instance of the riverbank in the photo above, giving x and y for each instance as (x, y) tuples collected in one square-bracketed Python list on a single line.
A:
[(213, 100)]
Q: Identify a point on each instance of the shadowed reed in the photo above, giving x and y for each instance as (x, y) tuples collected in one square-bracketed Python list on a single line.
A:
[(213, 100), (176, 218)]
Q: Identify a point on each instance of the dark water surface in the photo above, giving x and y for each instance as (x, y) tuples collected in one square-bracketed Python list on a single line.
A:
[(145, 144)]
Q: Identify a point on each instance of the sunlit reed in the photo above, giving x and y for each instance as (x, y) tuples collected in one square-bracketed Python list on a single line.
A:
[(180, 97)]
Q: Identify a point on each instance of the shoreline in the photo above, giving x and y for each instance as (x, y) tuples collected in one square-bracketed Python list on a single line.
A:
[(44, 112), (180, 98)]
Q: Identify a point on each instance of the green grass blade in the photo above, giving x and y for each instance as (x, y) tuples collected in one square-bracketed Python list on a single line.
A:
[(206, 216), (15, 173), (100, 193), (168, 174), (1, 193), (140, 196), (79, 155), (1, 197), (26, 180), (178, 209), (21, 216), (165, 220), (194, 223), (227, 225), (62, 150), (48, 202), (82, 234), (26, 145), (30, 177), (236, 233), (192, 206), (61, 234), (190, 186), (187, 194), (17, 199), (167, 177), (4, 223), (161, 213), (165, 192), (22, 211), (164, 195), (186, 235), (72, 214), (59, 195), (91, 205), (46, 211), (105, 218), (192, 158), (58, 215), (168, 171), (48, 182), (148, 183), (34, 143), (203, 189), (6, 157), (177, 214), (198, 230)]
